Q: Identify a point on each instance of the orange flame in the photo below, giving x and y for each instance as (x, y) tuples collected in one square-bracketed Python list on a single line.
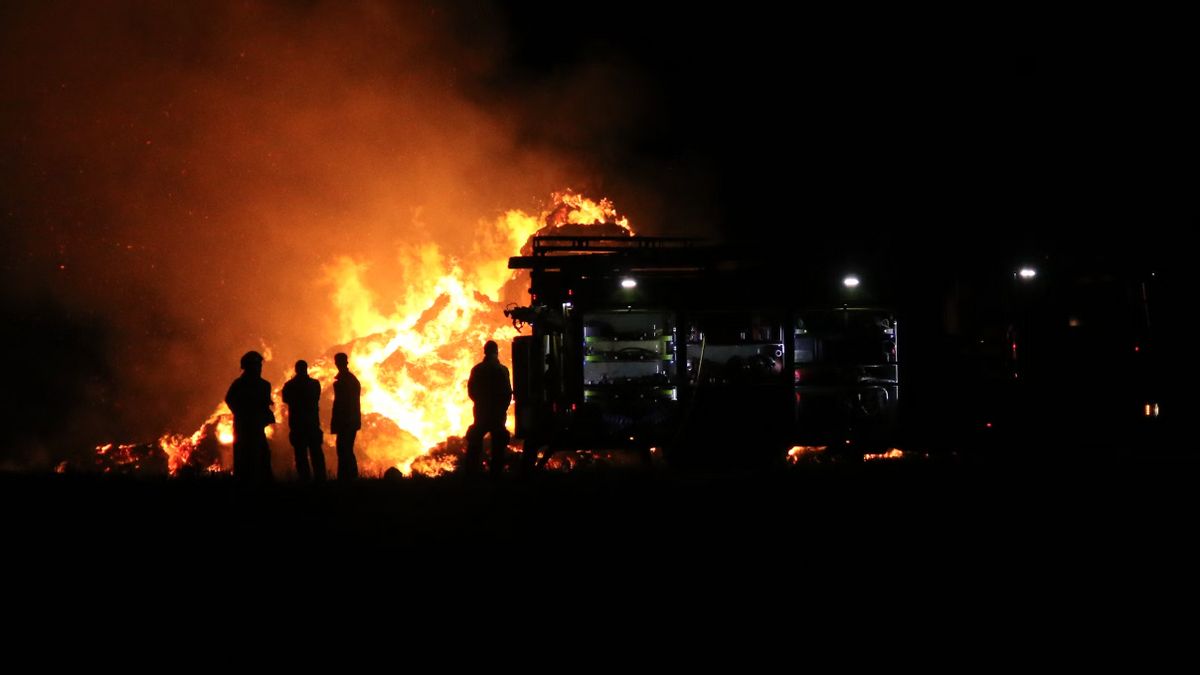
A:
[(892, 453)]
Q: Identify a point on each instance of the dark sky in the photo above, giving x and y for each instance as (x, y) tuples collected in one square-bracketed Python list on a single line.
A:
[(170, 175), (908, 142)]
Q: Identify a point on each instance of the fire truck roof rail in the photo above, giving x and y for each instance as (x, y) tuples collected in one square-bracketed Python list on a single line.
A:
[(550, 244)]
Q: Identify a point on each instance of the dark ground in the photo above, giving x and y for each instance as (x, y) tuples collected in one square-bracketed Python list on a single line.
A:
[(1026, 508), (996, 559)]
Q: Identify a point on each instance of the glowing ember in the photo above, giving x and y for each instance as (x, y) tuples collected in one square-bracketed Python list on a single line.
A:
[(565, 462), (798, 453), (892, 453), (412, 347), (130, 458)]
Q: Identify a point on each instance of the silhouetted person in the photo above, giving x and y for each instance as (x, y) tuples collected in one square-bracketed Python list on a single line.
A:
[(249, 398), (490, 388), (302, 395), (347, 416)]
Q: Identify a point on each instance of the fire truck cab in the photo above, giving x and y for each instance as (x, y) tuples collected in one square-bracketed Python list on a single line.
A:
[(705, 353)]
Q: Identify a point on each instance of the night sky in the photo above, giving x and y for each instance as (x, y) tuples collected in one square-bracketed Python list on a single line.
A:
[(173, 176)]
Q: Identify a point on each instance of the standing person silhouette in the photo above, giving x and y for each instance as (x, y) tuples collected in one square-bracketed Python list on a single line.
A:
[(347, 416), (302, 394), (490, 388), (249, 398)]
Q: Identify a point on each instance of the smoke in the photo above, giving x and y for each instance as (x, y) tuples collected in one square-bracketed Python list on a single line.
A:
[(179, 177)]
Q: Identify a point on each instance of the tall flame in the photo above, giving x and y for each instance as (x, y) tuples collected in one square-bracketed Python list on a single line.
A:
[(413, 349)]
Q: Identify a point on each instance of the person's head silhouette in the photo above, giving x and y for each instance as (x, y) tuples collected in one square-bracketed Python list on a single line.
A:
[(252, 363), (302, 368), (341, 361), (491, 349)]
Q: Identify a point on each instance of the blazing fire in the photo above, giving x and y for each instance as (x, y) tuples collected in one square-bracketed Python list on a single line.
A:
[(412, 348)]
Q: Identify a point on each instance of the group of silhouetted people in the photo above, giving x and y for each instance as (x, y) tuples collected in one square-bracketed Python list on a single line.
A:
[(249, 398)]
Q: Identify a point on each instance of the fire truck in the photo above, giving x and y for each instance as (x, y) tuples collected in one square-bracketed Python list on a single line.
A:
[(703, 353)]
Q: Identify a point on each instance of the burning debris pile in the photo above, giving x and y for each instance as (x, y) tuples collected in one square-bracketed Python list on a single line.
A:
[(413, 362), (576, 215), (128, 458), (206, 450)]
